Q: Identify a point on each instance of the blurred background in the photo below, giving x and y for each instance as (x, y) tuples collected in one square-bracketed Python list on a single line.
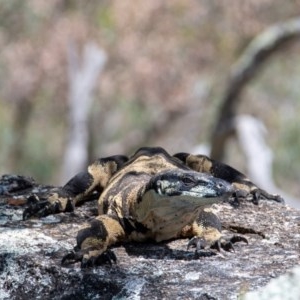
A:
[(149, 73)]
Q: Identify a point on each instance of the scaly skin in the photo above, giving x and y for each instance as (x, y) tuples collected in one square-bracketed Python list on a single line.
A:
[(149, 196)]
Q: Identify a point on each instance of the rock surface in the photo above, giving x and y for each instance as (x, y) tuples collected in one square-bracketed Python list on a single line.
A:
[(31, 251), (284, 287)]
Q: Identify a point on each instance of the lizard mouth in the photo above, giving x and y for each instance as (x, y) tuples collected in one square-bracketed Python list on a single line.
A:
[(192, 186), (192, 199), (173, 212)]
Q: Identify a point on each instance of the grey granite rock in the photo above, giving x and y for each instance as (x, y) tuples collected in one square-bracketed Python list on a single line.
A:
[(31, 252), (284, 287)]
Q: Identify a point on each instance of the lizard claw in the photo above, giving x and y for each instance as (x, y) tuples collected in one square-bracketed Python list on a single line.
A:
[(262, 194), (254, 196), (227, 243), (106, 257), (86, 262), (72, 257), (222, 243), (39, 208), (198, 243), (44, 206)]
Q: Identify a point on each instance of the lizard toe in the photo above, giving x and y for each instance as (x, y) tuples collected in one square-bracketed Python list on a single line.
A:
[(72, 257), (107, 257), (227, 243)]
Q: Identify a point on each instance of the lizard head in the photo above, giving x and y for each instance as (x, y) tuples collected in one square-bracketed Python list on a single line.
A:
[(198, 188), (174, 198)]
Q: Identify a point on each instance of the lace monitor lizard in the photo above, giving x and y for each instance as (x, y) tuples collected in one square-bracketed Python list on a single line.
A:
[(149, 196)]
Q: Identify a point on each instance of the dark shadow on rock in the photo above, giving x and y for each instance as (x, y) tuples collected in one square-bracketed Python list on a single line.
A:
[(162, 250)]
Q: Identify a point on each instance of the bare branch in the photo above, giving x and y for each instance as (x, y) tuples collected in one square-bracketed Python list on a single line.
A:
[(259, 50)]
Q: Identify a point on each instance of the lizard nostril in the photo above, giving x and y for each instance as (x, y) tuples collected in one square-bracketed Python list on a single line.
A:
[(220, 186), (224, 187)]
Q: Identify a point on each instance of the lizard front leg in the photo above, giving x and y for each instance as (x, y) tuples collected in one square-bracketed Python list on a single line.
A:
[(205, 232), (94, 240), (76, 190)]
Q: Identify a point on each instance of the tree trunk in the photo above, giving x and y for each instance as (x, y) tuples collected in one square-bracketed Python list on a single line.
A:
[(247, 66), (83, 74)]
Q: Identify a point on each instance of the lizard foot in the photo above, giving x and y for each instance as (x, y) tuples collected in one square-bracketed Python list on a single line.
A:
[(222, 243), (260, 194), (89, 261), (42, 207), (254, 196)]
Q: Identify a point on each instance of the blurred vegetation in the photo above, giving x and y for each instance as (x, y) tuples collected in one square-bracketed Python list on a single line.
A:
[(167, 66)]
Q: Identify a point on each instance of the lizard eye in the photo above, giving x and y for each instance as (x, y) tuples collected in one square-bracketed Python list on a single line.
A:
[(188, 181)]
